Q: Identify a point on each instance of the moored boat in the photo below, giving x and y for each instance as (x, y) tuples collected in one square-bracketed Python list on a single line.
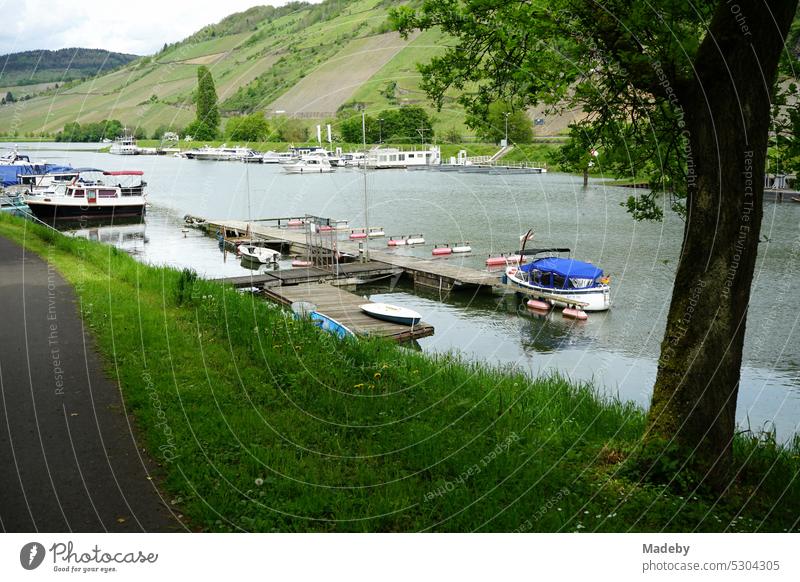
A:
[(258, 254), (392, 313), (563, 282), (92, 193), (308, 165)]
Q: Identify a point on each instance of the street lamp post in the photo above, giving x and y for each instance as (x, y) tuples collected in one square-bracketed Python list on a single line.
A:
[(380, 130), (507, 114)]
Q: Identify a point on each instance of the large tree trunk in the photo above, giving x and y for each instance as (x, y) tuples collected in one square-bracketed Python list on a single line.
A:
[(727, 110)]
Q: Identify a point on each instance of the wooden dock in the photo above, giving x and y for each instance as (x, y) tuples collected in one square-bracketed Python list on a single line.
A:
[(434, 274), (355, 272), (344, 308)]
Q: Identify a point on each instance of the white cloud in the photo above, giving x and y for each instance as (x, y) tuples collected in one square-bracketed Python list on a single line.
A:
[(129, 26)]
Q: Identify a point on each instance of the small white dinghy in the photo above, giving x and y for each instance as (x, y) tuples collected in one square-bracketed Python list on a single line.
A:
[(393, 313), (258, 254)]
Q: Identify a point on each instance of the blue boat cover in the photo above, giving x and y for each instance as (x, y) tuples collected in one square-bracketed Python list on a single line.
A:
[(8, 174), (565, 267)]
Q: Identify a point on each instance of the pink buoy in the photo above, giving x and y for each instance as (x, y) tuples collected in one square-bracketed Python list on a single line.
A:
[(438, 251), (575, 313), (301, 263), (295, 222), (396, 242), (325, 228), (538, 304), (356, 235)]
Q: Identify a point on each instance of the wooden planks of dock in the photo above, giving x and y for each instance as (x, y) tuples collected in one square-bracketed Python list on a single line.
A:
[(436, 274), (344, 307)]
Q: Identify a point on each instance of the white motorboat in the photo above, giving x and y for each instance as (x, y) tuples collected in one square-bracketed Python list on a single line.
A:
[(220, 154), (13, 158), (308, 165), (271, 157), (258, 254), (392, 313), (562, 282)]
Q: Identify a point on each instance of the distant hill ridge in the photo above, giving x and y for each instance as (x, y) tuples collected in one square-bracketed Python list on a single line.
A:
[(44, 66)]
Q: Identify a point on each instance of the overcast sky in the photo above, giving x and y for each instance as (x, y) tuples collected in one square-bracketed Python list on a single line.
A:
[(128, 26)]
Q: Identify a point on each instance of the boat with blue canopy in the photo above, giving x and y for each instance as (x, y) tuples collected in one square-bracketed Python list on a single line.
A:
[(562, 282)]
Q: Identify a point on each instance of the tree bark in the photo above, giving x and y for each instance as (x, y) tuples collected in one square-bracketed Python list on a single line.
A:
[(727, 116)]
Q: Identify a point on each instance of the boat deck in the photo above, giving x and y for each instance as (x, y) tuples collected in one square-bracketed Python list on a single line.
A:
[(343, 306)]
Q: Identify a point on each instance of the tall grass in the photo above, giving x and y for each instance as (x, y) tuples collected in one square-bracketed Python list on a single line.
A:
[(261, 423)]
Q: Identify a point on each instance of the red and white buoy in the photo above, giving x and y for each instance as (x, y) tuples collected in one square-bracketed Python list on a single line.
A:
[(538, 304), (575, 313), (442, 250)]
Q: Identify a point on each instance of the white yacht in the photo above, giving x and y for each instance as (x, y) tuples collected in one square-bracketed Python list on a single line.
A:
[(220, 154), (311, 164)]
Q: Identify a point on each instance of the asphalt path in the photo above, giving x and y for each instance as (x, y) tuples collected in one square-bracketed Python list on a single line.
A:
[(69, 459)]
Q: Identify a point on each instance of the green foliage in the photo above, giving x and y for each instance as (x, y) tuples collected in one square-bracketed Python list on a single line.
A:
[(207, 111), (290, 130), (492, 126), (565, 53), (201, 131), (402, 125), (90, 132), (249, 128)]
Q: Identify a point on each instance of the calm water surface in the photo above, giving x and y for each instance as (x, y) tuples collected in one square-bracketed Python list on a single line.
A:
[(617, 350)]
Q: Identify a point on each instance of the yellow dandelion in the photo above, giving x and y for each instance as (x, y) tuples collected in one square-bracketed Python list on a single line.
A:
[(377, 375)]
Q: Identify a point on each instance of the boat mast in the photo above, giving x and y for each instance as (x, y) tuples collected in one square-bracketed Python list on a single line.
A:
[(366, 202)]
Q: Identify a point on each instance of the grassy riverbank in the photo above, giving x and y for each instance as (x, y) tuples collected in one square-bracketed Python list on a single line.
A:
[(262, 423)]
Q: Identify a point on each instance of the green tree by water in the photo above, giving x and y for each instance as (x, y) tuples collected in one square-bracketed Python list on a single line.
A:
[(252, 128), (206, 123), (659, 73), (492, 126)]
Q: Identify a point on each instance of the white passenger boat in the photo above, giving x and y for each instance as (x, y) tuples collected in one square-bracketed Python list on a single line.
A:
[(125, 145), (384, 158), (308, 165), (258, 254), (92, 193)]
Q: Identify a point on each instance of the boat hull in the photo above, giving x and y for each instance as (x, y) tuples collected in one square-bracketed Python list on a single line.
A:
[(596, 298), (48, 212), (391, 313)]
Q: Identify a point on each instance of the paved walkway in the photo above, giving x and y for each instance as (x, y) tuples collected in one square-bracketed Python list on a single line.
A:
[(68, 456)]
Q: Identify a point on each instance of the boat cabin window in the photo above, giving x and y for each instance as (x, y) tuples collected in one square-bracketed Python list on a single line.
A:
[(580, 283), (558, 281), (77, 193)]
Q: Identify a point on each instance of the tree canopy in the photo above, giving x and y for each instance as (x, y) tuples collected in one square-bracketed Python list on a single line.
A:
[(249, 128)]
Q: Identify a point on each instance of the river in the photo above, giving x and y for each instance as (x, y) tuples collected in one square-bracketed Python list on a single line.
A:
[(616, 350)]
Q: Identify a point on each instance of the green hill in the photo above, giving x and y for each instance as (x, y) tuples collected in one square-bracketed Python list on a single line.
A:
[(300, 59)]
